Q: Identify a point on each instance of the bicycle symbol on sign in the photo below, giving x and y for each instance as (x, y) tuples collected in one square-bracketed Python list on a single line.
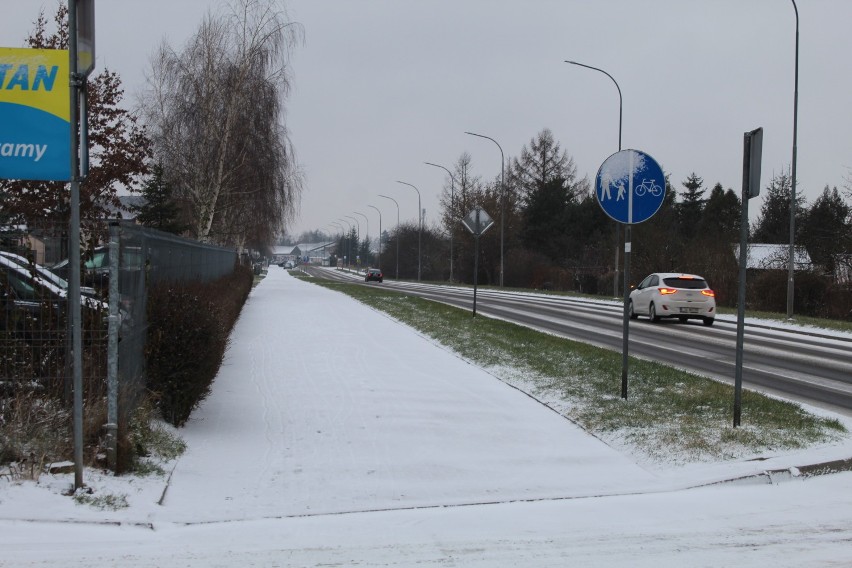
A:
[(649, 186)]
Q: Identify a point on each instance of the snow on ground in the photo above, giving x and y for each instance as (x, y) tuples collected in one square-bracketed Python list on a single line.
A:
[(336, 436)]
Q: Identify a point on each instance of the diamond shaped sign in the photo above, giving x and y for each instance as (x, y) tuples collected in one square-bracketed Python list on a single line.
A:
[(477, 221)]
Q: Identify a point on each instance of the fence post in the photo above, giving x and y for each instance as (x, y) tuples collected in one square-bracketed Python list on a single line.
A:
[(112, 348)]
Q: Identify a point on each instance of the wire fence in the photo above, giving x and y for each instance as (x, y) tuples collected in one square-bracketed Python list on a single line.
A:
[(147, 257), (115, 278)]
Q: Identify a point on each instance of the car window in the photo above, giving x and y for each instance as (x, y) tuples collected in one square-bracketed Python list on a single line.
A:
[(655, 280), (99, 260), (686, 283), (23, 290)]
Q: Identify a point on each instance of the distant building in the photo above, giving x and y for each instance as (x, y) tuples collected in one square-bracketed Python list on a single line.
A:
[(305, 253)]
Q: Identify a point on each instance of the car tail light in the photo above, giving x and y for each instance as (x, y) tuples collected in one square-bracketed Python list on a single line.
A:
[(709, 293), (667, 291)]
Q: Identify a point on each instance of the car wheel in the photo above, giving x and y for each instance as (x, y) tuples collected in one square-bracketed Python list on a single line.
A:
[(380, 280), (630, 311), (652, 313), (708, 321)]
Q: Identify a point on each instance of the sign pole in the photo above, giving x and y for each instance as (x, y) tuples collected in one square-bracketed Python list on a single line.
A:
[(626, 316), (475, 263), (74, 253), (752, 151), (477, 222), (626, 200)]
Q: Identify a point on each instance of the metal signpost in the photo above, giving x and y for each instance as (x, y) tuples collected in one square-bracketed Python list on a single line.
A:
[(477, 222), (630, 188), (78, 76), (44, 126), (752, 150)]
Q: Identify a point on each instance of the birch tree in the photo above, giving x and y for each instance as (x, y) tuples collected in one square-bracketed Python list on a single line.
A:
[(215, 111)]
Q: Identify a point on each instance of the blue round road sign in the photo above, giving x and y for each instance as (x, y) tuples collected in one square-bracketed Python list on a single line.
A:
[(630, 186)]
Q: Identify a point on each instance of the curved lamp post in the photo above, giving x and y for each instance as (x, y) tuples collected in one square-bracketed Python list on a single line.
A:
[(367, 231), (452, 210), (342, 231), (617, 226), (397, 233), (419, 223), (357, 235), (502, 199), (793, 173), (348, 242), (380, 235)]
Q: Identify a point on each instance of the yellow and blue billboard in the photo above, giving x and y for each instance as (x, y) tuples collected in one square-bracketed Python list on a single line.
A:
[(35, 115)]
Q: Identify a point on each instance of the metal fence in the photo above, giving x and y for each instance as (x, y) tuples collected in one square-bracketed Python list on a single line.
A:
[(115, 279), (138, 259)]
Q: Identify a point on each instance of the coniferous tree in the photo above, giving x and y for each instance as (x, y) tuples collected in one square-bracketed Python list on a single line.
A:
[(773, 225), (717, 238), (159, 211), (544, 178), (691, 205), (720, 218), (825, 230)]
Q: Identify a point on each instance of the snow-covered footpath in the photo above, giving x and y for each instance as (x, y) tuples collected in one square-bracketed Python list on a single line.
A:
[(337, 437)]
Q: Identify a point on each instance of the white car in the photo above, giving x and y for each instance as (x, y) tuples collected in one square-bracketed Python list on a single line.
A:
[(673, 295)]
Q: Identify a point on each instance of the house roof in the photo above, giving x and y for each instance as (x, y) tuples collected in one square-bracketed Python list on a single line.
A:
[(285, 249), (763, 256), (299, 249)]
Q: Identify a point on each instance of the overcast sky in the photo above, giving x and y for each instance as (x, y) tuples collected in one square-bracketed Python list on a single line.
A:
[(382, 86)]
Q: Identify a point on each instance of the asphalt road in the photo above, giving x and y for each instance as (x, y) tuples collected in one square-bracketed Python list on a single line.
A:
[(810, 367)]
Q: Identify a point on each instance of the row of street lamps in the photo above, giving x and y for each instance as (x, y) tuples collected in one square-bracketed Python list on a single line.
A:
[(617, 225)]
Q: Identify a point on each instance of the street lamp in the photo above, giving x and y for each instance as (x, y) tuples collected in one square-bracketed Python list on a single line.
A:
[(380, 235), (397, 233), (367, 237), (342, 231), (348, 242), (793, 173), (420, 224), (617, 226), (502, 199), (357, 237), (452, 210)]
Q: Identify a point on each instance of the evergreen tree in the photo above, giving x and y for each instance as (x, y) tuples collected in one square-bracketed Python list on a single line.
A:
[(773, 225), (544, 180), (159, 210), (691, 205), (717, 237), (720, 218), (825, 230), (546, 219)]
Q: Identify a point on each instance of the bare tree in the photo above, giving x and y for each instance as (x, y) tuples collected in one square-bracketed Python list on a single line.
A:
[(216, 115)]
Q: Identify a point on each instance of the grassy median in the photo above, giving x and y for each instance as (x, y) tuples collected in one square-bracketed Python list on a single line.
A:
[(670, 417)]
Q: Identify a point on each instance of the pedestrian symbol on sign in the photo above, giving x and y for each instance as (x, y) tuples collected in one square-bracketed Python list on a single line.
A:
[(621, 194)]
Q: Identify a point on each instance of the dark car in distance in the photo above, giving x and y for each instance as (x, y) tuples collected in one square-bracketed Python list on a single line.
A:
[(373, 274)]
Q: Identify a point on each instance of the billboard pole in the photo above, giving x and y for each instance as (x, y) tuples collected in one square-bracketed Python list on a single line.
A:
[(74, 312)]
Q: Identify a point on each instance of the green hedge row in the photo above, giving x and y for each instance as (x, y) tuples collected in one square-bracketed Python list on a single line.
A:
[(188, 328)]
